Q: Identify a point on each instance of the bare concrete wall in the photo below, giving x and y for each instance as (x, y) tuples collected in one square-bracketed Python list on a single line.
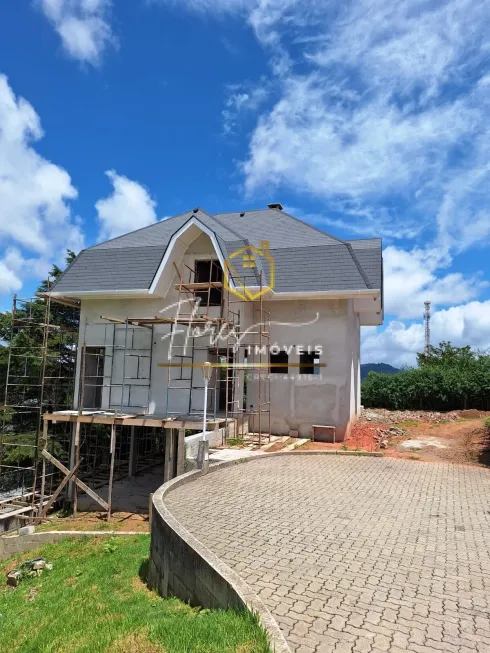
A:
[(299, 401)]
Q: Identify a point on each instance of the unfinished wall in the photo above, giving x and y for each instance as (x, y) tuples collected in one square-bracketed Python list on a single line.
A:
[(181, 399), (299, 401)]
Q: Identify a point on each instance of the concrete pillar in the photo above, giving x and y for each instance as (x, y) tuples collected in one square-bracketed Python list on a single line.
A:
[(168, 466), (181, 452), (203, 456)]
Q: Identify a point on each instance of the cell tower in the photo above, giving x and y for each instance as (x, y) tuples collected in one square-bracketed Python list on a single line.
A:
[(427, 327)]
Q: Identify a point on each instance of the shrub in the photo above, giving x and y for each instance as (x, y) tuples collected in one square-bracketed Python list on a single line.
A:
[(447, 385)]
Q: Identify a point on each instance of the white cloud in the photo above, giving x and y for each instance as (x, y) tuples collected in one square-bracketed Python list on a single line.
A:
[(398, 344), (213, 6), (129, 207), (383, 116), (83, 26), (411, 277), (35, 195), (9, 281), (381, 104), (242, 99)]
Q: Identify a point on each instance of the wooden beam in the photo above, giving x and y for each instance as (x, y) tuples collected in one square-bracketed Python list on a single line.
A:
[(204, 285), (85, 488), (112, 451), (65, 301), (43, 511), (43, 477)]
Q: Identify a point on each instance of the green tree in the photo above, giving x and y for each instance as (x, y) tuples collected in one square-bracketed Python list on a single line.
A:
[(22, 341), (447, 355), (447, 378)]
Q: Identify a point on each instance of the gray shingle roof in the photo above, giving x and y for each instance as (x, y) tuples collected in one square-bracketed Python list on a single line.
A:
[(317, 267), (278, 227), (114, 269), (369, 254), (306, 258)]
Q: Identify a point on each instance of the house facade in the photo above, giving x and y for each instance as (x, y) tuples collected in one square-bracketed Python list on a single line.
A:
[(275, 305)]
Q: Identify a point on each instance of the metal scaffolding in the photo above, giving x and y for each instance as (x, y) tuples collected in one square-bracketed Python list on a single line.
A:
[(39, 378), (89, 431)]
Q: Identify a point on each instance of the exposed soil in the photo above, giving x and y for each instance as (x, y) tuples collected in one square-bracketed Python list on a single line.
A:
[(94, 521), (320, 446), (458, 436), (279, 446)]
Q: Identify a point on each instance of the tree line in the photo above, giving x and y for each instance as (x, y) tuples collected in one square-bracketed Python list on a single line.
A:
[(446, 378)]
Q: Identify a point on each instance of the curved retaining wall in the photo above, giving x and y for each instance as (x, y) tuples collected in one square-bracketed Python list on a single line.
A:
[(183, 567)]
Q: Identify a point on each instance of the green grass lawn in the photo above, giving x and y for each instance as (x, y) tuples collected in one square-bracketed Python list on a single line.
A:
[(94, 600)]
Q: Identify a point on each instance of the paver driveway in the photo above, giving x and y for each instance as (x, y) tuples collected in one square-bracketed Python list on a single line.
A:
[(354, 554)]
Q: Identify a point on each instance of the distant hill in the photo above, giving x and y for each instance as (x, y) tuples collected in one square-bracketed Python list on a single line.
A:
[(382, 368)]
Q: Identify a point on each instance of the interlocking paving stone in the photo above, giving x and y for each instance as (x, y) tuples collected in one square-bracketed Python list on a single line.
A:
[(354, 554)]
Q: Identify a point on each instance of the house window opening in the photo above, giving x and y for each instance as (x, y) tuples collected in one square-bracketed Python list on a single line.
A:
[(94, 377), (205, 272), (309, 363), (279, 362)]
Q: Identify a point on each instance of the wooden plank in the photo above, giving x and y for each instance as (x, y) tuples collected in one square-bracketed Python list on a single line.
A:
[(95, 419), (204, 285), (43, 511), (112, 451), (43, 477), (85, 488), (76, 461)]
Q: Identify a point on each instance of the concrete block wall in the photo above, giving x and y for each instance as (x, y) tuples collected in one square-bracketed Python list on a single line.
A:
[(215, 438), (183, 567), (176, 569), (16, 544)]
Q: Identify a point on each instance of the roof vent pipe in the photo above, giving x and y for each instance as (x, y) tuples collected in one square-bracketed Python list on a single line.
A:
[(275, 205)]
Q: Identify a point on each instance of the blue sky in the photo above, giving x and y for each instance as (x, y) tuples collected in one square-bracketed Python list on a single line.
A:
[(365, 118)]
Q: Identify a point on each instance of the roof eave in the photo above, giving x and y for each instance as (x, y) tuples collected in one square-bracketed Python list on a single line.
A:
[(324, 294), (102, 294)]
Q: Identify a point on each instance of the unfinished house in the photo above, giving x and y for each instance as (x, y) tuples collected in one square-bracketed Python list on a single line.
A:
[(274, 304), (143, 294)]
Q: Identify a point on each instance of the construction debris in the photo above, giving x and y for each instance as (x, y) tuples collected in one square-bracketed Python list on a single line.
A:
[(385, 416), (381, 435), (28, 569)]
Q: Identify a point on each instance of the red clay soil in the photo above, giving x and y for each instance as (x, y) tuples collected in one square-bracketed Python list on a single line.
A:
[(464, 439), (362, 436), (320, 446), (463, 442)]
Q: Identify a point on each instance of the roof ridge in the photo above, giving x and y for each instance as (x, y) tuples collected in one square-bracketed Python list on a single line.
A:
[(293, 217), (242, 238), (359, 266), (148, 226), (353, 240)]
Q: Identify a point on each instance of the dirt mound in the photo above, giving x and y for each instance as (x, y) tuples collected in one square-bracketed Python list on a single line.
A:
[(385, 416)]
